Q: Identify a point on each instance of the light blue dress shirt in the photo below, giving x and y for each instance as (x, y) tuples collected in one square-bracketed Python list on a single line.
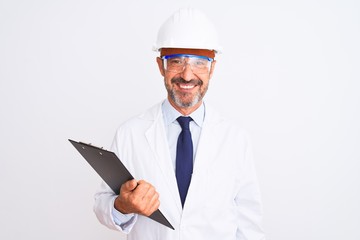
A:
[(172, 129)]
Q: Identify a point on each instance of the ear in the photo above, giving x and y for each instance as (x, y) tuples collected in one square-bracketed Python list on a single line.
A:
[(213, 63), (161, 66)]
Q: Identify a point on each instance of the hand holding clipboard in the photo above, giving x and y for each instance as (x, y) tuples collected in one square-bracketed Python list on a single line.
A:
[(112, 171)]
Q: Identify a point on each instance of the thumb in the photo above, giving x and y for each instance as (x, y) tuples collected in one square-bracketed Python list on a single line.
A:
[(130, 185)]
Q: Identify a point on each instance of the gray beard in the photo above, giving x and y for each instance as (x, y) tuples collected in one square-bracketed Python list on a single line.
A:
[(197, 98), (176, 97)]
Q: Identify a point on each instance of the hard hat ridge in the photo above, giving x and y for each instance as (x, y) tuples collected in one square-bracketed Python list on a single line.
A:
[(188, 28)]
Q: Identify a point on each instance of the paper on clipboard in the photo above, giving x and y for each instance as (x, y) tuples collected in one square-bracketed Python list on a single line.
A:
[(112, 171)]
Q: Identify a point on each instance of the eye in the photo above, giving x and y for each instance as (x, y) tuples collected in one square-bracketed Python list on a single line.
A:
[(200, 62), (175, 61)]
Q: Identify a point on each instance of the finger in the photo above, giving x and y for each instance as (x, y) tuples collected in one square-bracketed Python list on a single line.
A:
[(130, 185), (154, 202), (145, 196), (148, 193), (142, 188), (153, 205), (136, 194)]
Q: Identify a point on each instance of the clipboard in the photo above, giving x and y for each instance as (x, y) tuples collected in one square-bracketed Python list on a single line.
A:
[(112, 171)]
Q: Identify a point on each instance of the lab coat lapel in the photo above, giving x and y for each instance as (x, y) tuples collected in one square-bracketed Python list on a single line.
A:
[(157, 141), (204, 156)]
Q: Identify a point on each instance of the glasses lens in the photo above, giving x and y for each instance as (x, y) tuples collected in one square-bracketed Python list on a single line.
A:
[(177, 63)]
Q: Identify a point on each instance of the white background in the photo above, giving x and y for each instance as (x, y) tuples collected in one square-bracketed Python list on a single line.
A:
[(78, 68)]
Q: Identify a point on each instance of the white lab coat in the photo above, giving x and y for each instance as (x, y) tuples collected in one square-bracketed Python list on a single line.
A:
[(223, 200)]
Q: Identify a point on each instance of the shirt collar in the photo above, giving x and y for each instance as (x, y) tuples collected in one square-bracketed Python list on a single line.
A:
[(171, 114)]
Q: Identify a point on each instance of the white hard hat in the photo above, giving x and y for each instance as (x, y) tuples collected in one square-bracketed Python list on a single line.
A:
[(188, 28)]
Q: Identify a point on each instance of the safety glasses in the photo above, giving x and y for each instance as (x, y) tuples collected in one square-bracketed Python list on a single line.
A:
[(176, 63)]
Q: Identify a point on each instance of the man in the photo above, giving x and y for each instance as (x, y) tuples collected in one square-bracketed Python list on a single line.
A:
[(195, 166)]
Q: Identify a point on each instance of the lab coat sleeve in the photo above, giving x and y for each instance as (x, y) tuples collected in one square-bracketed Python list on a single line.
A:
[(104, 208), (104, 204), (248, 201)]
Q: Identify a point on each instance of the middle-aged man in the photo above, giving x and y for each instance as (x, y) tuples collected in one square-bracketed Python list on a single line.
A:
[(195, 166)]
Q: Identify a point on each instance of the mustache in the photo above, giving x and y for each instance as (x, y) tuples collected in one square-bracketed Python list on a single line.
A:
[(192, 81)]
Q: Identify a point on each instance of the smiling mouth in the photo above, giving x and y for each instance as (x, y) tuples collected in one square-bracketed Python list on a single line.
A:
[(186, 86)]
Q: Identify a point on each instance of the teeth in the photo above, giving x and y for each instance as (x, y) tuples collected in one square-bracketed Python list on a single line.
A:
[(186, 86)]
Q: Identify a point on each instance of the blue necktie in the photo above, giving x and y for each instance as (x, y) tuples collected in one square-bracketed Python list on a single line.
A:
[(184, 158)]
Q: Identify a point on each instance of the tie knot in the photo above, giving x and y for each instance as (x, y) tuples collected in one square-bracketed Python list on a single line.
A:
[(184, 122)]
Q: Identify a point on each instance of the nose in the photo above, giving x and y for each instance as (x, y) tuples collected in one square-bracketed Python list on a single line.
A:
[(187, 74)]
